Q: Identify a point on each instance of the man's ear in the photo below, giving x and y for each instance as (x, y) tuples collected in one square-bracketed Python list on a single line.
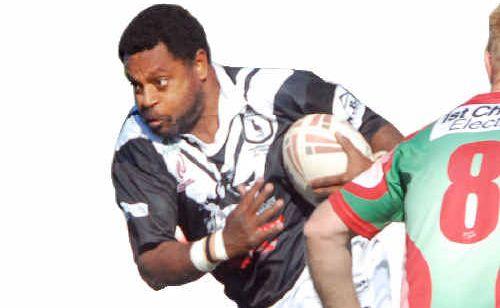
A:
[(201, 64), (488, 63)]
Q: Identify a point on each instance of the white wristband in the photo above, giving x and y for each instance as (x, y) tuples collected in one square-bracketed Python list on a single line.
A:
[(199, 258), (220, 249)]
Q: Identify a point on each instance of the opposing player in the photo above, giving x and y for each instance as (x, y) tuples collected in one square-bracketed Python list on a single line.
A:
[(199, 134), (443, 181)]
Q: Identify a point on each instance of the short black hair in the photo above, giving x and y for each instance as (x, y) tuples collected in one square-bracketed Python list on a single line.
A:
[(167, 23)]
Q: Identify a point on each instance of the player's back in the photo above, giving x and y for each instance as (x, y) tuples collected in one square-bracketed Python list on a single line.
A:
[(449, 172)]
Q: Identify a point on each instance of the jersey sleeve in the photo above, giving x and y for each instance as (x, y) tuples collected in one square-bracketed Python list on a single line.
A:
[(306, 93), (373, 199), (146, 193)]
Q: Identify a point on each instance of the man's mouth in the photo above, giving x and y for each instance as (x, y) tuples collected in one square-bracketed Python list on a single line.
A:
[(154, 122), (157, 122), (151, 119)]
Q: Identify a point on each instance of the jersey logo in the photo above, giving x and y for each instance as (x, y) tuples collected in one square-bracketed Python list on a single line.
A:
[(468, 119), (351, 109), (257, 128)]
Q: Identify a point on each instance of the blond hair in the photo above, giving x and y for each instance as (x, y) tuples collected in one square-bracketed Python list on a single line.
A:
[(493, 46)]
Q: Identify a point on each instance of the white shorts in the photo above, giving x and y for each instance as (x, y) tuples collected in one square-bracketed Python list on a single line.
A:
[(376, 273), (301, 295)]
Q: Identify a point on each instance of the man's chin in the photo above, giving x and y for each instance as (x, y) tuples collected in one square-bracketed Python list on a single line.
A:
[(170, 132), (162, 131)]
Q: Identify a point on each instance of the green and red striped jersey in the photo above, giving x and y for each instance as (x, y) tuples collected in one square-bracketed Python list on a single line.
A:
[(443, 182)]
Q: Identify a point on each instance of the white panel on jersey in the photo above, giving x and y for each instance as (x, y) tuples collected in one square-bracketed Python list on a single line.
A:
[(263, 88), (201, 186), (468, 119), (232, 142), (240, 79), (134, 127), (231, 103), (136, 210)]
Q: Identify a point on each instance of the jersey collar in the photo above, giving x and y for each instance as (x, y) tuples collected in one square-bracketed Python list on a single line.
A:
[(231, 102), (486, 98)]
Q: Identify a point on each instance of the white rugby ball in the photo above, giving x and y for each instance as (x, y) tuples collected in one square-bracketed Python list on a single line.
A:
[(310, 150)]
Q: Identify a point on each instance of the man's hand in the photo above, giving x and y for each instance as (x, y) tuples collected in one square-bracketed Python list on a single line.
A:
[(356, 163), (169, 263), (244, 228)]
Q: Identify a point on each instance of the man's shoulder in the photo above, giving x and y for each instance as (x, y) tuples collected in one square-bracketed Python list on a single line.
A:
[(138, 147), (133, 128), (263, 79), (135, 134)]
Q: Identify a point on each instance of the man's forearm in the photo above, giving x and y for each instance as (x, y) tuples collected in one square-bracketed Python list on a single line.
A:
[(386, 138), (168, 264), (331, 265), (329, 258)]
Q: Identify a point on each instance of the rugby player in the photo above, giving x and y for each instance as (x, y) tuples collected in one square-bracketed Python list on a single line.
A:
[(201, 149), (442, 181)]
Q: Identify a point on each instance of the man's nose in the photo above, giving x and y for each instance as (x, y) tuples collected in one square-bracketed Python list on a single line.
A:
[(150, 96)]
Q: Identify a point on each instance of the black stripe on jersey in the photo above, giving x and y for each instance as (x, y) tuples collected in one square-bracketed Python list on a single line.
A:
[(232, 72), (238, 149), (247, 81), (219, 158), (312, 93), (200, 165), (190, 142), (372, 122), (303, 93)]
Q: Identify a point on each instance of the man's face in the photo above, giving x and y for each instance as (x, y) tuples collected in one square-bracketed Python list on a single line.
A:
[(167, 91)]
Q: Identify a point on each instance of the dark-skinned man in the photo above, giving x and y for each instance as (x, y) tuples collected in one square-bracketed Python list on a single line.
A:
[(201, 150)]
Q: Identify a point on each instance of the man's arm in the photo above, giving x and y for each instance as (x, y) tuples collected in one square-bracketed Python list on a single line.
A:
[(146, 193), (305, 93), (385, 139), (167, 265), (170, 262), (329, 258), (365, 206)]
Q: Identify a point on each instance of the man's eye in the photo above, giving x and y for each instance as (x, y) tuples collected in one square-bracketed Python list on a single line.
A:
[(137, 88), (162, 82)]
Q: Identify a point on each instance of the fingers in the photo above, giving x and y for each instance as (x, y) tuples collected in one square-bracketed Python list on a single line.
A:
[(270, 230), (327, 181), (248, 196), (252, 199), (242, 190), (270, 212), (347, 145), (256, 188), (262, 197)]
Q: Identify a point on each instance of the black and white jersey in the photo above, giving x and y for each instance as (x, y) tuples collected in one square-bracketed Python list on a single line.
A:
[(187, 183)]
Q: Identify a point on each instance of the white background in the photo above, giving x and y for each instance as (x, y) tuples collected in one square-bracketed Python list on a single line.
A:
[(64, 97)]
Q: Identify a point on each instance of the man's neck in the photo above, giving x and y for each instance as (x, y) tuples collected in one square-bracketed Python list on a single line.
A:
[(207, 125), (495, 87)]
